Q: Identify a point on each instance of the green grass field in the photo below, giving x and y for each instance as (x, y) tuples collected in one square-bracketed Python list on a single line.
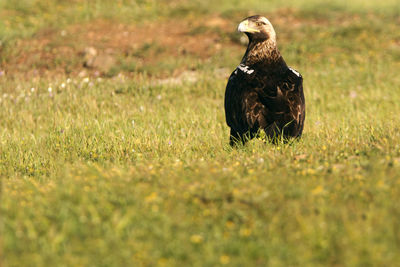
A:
[(130, 165)]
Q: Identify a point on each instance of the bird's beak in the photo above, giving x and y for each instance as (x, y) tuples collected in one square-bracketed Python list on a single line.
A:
[(244, 27)]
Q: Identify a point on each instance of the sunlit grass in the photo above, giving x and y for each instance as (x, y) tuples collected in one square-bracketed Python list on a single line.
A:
[(137, 170)]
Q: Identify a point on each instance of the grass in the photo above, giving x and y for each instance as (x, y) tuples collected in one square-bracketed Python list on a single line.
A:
[(134, 168)]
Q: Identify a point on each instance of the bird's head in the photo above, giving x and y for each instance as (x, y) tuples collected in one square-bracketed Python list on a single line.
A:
[(258, 28)]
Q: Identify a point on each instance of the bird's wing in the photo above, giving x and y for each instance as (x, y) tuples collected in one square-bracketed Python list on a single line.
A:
[(296, 96), (298, 105), (238, 101), (275, 92), (283, 97), (230, 93), (255, 111)]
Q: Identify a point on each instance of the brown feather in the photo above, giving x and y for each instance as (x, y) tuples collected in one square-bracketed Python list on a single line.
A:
[(263, 92)]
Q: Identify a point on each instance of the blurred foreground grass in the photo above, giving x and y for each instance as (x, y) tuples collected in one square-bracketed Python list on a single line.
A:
[(135, 169)]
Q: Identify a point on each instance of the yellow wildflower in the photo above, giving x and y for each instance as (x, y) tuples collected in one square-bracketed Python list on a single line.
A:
[(224, 259), (245, 232), (196, 239), (318, 190), (151, 198)]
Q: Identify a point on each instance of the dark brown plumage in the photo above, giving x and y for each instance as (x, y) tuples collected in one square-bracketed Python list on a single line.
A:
[(263, 92)]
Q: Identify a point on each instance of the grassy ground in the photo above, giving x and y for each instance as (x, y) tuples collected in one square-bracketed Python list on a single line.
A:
[(130, 164)]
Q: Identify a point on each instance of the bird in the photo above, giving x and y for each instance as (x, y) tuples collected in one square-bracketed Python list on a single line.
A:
[(263, 92)]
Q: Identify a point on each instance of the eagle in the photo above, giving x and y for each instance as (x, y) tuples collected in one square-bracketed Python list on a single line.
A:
[(263, 93)]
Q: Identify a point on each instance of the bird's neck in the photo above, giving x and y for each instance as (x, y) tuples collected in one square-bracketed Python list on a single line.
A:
[(263, 53)]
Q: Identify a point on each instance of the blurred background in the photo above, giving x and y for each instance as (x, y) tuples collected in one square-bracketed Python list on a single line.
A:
[(164, 38)]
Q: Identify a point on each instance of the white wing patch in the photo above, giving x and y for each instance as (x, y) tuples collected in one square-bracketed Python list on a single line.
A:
[(295, 72), (245, 69)]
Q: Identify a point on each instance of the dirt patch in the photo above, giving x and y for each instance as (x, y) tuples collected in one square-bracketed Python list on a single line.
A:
[(107, 48), (101, 46)]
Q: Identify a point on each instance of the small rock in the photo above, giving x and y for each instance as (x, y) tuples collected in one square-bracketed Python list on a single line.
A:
[(94, 59), (244, 40)]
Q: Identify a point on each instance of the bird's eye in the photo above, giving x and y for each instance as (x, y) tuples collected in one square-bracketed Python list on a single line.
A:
[(260, 23)]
